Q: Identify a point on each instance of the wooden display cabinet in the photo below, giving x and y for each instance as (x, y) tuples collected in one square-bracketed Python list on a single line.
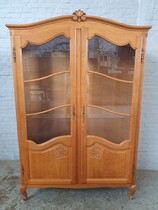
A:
[(78, 85)]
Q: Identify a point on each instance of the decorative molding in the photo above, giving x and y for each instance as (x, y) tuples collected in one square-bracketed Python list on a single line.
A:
[(96, 151), (32, 40), (79, 16), (61, 152), (107, 144)]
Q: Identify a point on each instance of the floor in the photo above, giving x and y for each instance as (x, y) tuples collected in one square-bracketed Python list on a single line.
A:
[(146, 197)]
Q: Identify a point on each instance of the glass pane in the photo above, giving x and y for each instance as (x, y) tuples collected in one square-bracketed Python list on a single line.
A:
[(47, 93), (110, 126), (43, 127), (45, 59), (110, 70), (109, 59), (109, 93)]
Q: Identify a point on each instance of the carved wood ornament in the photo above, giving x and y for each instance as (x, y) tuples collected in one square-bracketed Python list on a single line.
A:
[(96, 151), (61, 152), (79, 16)]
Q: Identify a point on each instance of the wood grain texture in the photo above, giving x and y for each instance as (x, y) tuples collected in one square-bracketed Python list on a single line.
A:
[(53, 163), (91, 140)]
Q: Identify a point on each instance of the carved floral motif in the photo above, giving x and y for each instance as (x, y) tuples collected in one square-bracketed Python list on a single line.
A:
[(61, 152), (96, 151), (79, 16)]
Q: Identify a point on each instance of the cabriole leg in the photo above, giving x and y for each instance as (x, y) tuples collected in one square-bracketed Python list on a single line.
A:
[(23, 192), (132, 191)]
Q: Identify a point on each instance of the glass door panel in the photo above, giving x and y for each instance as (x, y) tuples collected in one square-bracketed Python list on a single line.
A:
[(46, 72), (109, 89), (47, 93), (43, 127), (49, 58), (109, 94), (112, 127), (111, 60)]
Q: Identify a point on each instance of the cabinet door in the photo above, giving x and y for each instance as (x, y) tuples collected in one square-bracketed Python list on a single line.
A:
[(106, 107), (49, 109)]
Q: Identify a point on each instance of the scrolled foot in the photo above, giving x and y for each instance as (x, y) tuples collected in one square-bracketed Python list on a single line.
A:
[(23, 192), (132, 191)]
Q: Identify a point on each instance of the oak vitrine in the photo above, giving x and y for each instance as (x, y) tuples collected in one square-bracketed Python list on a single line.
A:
[(78, 83)]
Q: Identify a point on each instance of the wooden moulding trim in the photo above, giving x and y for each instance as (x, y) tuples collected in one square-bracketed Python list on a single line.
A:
[(113, 78), (64, 140), (70, 18), (92, 140), (107, 180), (46, 77), (44, 40), (117, 43), (49, 181), (48, 110), (39, 23), (76, 186), (108, 110)]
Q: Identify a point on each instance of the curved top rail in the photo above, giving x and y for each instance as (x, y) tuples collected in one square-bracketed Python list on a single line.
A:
[(78, 16)]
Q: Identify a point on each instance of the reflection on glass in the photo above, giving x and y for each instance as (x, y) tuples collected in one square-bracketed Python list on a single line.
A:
[(47, 93), (109, 59), (109, 94), (109, 85), (112, 127), (46, 59), (43, 127), (44, 90)]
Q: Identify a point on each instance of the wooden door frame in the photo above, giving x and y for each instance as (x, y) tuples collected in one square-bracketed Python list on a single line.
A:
[(20, 108), (18, 44), (135, 105)]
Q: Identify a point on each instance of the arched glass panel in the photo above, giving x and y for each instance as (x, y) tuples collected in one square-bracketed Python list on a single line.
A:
[(45, 59), (107, 58), (46, 73), (43, 127), (112, 127), (110, 71)]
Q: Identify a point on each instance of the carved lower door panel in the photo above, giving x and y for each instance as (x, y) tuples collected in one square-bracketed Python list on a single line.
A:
[(107, 163), (51, 163)]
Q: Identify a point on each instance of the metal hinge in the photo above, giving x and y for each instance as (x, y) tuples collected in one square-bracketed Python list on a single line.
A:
[(73, 113), (133, 171), (14, 54), (83, 113), (142, 56), (22, 170)]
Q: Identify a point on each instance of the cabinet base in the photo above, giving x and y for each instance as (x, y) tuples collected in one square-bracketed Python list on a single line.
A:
[(80, 186)]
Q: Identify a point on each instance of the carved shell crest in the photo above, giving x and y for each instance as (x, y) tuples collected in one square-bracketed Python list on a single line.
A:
[(79, 16)]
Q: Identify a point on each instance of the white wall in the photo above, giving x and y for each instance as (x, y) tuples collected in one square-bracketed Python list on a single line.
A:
[(136, 12)]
